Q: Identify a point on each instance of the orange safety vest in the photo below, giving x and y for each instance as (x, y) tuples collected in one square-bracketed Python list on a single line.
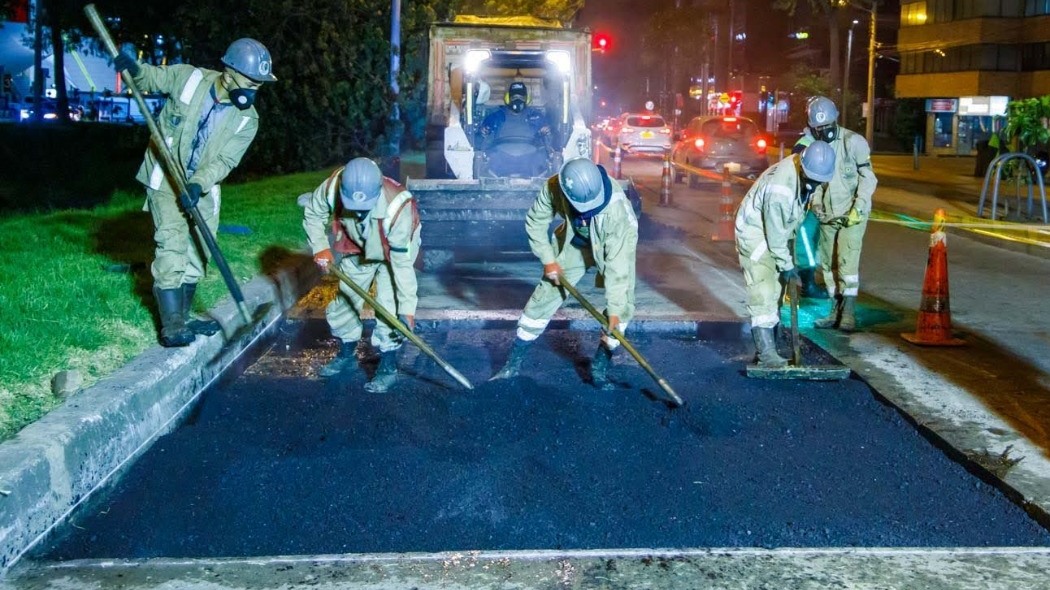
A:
[(342, 243)]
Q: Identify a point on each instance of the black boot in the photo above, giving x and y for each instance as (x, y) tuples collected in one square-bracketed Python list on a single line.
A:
[(344, 359), (512, 368), (600, 367), (386, 374), (195, 325), (173, 331), (848, 321), (810, 288), (766, 345)]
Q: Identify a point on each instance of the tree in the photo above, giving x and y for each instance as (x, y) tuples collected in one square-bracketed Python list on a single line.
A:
[(831, 11), (684, 34)]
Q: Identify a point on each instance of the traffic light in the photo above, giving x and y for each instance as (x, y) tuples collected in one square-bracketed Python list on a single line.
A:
[(601, 42)]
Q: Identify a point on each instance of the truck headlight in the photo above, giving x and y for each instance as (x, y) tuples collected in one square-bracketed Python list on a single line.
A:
[(560, 59), (473, 59)]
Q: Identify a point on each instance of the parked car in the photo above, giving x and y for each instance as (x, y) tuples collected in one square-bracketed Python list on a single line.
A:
[(642, 133), (712, 142)]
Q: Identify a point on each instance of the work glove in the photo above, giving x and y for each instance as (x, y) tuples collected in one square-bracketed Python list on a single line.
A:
[(852, 218), (614, 323), (124, 61), (191, 196), (324, 259), (790, 276), (551, 272), (409, 321)]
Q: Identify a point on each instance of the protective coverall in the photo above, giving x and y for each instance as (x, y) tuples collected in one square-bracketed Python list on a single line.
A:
[(208, 139), (851, 189), (768, 217), (382, 247), (611, 245)]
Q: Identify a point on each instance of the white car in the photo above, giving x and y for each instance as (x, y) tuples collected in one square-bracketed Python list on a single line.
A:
[(643, 133)]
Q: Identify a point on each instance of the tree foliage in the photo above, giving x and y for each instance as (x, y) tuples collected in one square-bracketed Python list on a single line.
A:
[(1026, 122)]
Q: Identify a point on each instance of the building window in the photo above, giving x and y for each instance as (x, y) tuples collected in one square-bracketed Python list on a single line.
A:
[(915, 14)]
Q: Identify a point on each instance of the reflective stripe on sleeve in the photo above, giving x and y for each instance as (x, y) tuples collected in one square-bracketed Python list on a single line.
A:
[(191, 86)]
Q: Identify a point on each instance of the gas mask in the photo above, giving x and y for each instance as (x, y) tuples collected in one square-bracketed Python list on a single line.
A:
[(809, 186), (827, 133), (242, 98), (517, 104)]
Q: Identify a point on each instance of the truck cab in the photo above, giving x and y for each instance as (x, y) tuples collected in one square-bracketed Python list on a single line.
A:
[(473, 64)]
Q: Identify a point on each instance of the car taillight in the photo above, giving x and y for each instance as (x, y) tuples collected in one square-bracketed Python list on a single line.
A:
[(761, 145), (666, 131), (729, 119), (626, 129), (699, 143)]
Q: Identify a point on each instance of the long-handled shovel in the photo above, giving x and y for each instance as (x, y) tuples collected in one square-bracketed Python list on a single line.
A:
[(396, 323), (797, 369), (170, 164), (619, 336)]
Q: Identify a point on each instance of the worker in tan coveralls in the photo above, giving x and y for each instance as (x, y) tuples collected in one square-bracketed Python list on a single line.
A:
[(843, 212), (377, 232), (771, 212), (599, 230), (208, 121)]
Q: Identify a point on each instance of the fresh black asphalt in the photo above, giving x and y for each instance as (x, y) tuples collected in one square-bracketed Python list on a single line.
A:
[(277, 462)]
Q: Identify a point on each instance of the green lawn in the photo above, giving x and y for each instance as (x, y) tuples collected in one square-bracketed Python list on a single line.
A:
[(76, 287)]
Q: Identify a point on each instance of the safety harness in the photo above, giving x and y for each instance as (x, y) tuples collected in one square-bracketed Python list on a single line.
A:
[(391, 189)]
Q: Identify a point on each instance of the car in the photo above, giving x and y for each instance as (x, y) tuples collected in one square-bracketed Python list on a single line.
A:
[(714, 142), (642, 133)]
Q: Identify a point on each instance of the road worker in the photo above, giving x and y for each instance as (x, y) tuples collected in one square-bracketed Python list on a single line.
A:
[(376, 232), (843, 212), (768, 217), (599, 229), (209, 120)]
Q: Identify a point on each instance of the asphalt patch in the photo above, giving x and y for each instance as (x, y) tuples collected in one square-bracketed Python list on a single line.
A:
[(278, 462)]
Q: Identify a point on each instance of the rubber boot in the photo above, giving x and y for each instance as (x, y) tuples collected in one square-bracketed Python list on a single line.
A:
[(195, 325), (832, 319), (600, 368), (386, 374), (512, 368), (766, 345), (173, 331), (345, 359), (848, 323), (810, 288)]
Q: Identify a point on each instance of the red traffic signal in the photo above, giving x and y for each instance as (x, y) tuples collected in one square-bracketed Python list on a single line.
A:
[(601, 42)]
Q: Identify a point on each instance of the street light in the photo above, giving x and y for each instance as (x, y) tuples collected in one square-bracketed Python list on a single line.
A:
[(845, 75)]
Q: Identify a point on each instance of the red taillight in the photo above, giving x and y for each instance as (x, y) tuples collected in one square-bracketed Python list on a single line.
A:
[(699, 143), (666, 130), (761, 144), (729, 119)]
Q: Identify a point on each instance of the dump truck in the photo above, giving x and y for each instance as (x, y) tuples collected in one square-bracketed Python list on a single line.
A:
[(470, 209)]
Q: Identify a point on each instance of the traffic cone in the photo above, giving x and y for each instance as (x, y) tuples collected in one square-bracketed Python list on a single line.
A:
[(724, 231), (934, 326), (617, 160), (597, 150), (665, 184)]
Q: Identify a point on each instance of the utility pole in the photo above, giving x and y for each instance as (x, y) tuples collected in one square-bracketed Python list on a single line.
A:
[(391, 152), (845, 75), (869, 130)]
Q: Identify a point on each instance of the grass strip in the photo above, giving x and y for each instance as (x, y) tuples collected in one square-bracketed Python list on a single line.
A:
[(76, 291)]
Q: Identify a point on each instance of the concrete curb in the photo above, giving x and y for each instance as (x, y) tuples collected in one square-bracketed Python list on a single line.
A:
[(56, 463)]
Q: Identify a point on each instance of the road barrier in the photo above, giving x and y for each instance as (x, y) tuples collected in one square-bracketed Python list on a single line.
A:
[(617, 161), (934, 326), (665, 184), (724, 231)]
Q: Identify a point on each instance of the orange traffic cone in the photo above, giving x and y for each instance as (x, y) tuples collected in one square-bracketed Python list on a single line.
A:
[(724, 231), (665, 183), (617, 160), (934, 327)]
